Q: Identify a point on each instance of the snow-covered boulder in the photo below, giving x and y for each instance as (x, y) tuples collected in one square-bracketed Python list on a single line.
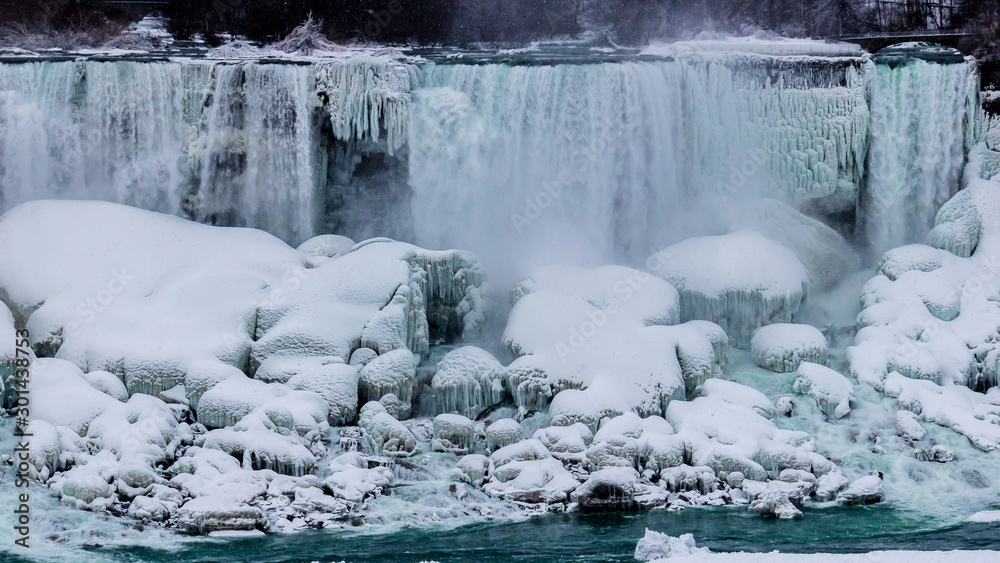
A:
[(775, 503), (228, 402), (264, 439), (352, 479), (467, 382), (908, 426), (737, 394), (866, 490), (202, 375), (337, 383), (61, 395), (823, 251), (533, 480), (390, 373), (686, 478), (387, 436), (569, 342), (566, 443), (654, 546), (832, 391), (525, 450), (473, 469), (611, 488), (741, 281), (616, 290), (501, 433), (453, 433), (782, 347), (207, 514), (107, 383)]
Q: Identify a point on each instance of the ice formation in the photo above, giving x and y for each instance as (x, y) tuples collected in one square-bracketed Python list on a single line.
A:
[(781, 347), (467, 381), (749, 281), (655, 545)]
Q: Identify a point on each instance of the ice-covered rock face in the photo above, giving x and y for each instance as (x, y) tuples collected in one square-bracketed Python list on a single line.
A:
[(931, 315), (7, 352), (782, 347), (740, 281), (582, 329), (468, 381)]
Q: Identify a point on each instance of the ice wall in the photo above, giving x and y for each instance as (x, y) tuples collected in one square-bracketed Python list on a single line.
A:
[(918, 144), (235, 144), (595, 162)]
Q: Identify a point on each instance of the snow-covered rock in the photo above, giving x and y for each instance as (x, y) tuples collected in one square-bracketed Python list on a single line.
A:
[(453, 433), (390, 373), (782, 347), (736, 394), (337, 383), (866, 490), (566, 443), (467, 382), (61, 395), (611, 488), (386, 435), (532, 480), (574, 339), (832, 391), (501, 433), (775, 503), (908, 426), (352, 479), (655, 545), (741, 281), (228, 402)]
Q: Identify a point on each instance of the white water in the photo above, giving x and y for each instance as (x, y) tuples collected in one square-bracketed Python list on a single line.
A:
[(918, 147)]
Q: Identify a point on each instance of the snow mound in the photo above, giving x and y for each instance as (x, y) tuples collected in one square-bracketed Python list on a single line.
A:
[(604, 347), (655, 545), (736, 394), (782, 347), (62, 396), (468, 381), (826, 255), (832, 391), (740, 281), (453, 433), (501, 433)]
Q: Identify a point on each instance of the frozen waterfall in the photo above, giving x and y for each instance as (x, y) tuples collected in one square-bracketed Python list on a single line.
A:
[(918, 146), (522, 164)]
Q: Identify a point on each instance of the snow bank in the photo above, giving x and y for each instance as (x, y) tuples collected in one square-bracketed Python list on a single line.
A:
[(927, 329), (782, 347), (740, 281)]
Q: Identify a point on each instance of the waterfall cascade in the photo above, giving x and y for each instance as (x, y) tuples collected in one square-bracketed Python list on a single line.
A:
[(579, 162)]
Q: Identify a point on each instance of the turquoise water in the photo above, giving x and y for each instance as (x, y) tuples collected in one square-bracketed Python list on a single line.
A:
[(586, 538)]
